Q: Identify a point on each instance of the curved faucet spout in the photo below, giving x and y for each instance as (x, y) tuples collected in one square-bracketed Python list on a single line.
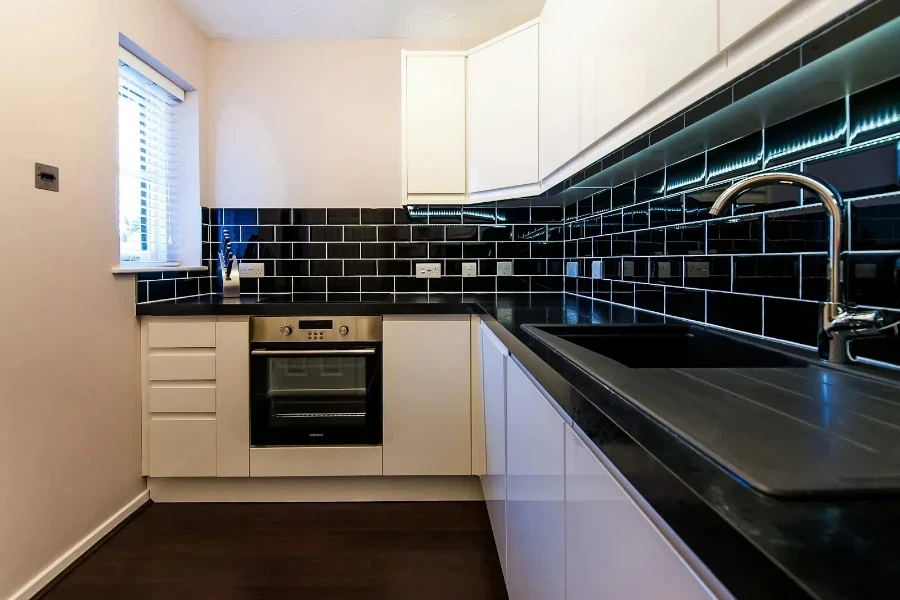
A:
[(831, 200)]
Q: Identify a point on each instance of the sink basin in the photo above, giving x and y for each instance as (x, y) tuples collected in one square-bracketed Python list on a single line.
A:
[(651, 346)]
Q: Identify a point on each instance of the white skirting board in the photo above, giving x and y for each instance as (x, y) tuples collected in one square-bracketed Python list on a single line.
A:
[(72, 554), (315, 489)]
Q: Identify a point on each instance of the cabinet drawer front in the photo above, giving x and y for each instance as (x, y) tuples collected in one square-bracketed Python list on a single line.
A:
[(315, 462), (182, 447), (190, 367), (183, 399), (182, 334)]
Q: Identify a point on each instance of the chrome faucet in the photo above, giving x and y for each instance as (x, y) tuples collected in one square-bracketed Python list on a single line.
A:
[(839, 323)]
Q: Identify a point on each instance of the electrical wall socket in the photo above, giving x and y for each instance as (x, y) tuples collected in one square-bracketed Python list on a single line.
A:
[(470, 269), (252, 270), (572, 269), (428, 270), (698, 269), (663, 270), (627, 268), (597, 269), (504, 268)]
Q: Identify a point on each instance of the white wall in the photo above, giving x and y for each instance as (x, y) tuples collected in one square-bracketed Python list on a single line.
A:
[(69, 376), (307, 123)]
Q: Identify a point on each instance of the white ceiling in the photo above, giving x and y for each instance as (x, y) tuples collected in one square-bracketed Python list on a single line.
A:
[(358, 19)]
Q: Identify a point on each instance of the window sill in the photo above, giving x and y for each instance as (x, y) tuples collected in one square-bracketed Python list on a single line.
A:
[(148, 268)]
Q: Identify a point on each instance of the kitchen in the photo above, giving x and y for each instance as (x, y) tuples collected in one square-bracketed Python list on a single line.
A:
[(563, 299)]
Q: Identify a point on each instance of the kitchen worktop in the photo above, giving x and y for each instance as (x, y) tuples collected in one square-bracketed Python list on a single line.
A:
[(757, 545)]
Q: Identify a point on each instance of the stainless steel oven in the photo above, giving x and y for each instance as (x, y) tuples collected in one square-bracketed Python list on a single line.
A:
[(315, 381)]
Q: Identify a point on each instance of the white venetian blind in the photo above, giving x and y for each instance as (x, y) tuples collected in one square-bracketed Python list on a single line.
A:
[(148, 164)]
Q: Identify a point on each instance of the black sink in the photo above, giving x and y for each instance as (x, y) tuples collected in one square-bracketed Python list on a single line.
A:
[(651, 346)]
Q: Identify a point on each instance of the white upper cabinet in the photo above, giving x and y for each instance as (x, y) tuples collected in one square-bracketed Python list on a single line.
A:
[(435, 125), (503, 112), (738, 17)]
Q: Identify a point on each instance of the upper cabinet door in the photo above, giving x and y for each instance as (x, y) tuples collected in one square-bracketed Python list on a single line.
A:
[(436, 124), (737, 17), (681, 37), (503, 112)]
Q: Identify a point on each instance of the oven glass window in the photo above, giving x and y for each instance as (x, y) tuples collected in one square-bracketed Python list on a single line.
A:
[(323, 390)]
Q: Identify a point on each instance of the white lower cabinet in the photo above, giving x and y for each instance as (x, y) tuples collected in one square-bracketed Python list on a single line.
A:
[(613, 550), (182, 447), (493, 482), (427, 395), (535, 462)]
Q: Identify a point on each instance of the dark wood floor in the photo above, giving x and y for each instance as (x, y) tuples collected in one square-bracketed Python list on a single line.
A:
[(414, 550)]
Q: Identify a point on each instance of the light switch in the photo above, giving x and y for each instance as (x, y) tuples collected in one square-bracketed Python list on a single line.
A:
[(597, 269), (504, 269), (470, 269), (698, 269), (627, 268), (572, 269), (664, 270)]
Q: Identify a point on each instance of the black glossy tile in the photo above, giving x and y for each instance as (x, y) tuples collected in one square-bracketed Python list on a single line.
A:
[(555, 267), (602, 246), (463, 233), (874, 279), (544, 250), (708, 272), (205, 285), (326, 233), (667, 129), (548, 283), (874, 112), (650, 186), (256, 233), (697, 204), (309, 216), (413, 250), (393, 233), (394, 267), (592, 227), (767, 275), (623, 195), (360, 233), (687, 304), (602, 201), (292, 268), (310, 297), (513, 284), (623, 244), (649, 297), (585, 248), (401, 216), (276, 285), (174, 274), (735, 236), (513, 214), (546, 214), (186, 287), (249, 286), (804, 230), (309, 285), (636, 217), (495, 233), (275, 251), (770, 197), (735, 158), (875, 224), (708, 106), (530, 266), (848, 30), (571, 249), (814, 277), (583, 286), (453, 215), (360, 267), (343, 284), (819, 130), (513, 250), (480, 250), (743, 313), (621, 292), (239, 216), (292, 233), (667, 270), (487, 267), (666, 212), (377, 284), (275, 216), (772, 71), (427, 233), (576, 231), (633, 269), (481, 214), (376, 250), (343, 216), (602, 289), (376, 216), (686, 239), (445, 285), (454, 266), (650, 242), (445, 250), (791, 320), (479, 284), (883, 349), (612, 222), (611, 159), (571, 212), (612, 268), (636, 146), (304, 250), (863, 173), (585, 207), (323, 268), (343, 251), (686, 174)]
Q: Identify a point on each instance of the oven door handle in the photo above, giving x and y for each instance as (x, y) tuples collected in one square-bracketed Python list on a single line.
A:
[(324, 351)]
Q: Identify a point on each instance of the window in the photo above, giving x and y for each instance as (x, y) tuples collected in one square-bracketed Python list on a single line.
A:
[(148, 163)]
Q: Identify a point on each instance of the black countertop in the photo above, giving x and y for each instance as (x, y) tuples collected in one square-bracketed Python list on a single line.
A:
[(757, 545)]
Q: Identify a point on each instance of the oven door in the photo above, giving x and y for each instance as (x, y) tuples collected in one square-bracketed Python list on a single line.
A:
[(315, 394)]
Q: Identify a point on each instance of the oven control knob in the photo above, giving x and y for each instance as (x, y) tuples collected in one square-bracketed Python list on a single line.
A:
[(344, 330), (287, 330)]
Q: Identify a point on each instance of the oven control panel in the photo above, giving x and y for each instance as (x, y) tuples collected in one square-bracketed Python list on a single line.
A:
[(330, 329)]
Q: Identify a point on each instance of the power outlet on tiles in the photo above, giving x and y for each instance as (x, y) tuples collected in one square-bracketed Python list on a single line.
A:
[(572, 269), (597, 269), (252, 270), (627, 268), (698, 269), (664, 270), (428, 270), (470, 269), (504, 269)]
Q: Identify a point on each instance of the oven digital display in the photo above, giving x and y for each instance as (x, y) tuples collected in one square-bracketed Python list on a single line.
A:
[(320, 325)]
